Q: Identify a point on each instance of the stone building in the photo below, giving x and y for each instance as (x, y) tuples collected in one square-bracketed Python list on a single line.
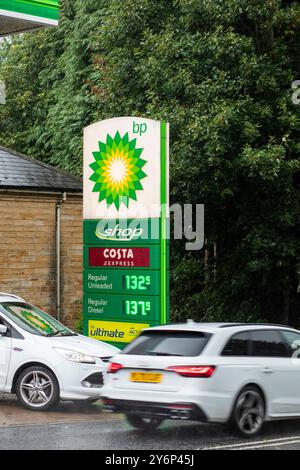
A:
[(41, 235)]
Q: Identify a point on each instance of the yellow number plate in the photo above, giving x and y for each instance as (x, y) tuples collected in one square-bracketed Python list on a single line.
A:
[(145, 377)]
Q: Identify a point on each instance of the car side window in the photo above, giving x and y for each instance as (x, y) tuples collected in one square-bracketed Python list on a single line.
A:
[(238, 345), (268, 343), (12, 332), (293, 340)]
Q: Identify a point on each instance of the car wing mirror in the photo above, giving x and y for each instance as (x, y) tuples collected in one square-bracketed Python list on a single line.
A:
[(3, 330), (295, 345)]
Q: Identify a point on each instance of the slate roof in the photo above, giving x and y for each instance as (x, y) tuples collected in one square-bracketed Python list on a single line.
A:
[(20, 172)]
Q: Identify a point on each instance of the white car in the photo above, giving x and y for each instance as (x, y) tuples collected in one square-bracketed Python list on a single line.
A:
[(42, 361), (240, 374)]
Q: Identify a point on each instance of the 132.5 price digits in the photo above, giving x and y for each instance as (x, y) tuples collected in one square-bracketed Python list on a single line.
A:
[(135, 282)]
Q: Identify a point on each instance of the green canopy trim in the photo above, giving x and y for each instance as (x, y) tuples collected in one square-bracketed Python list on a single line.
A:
[(20, 15)]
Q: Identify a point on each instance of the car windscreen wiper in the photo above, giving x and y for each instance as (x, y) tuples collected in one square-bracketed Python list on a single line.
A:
[(69, 334), (61, 333), (55, 333)]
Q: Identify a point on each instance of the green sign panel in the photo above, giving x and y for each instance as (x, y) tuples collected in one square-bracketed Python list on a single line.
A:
[(133, 232), (128, 307), (121, 256), (138, 281), (126, 247)]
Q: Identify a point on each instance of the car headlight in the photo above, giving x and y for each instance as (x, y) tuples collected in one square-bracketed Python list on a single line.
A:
[(75, 356)]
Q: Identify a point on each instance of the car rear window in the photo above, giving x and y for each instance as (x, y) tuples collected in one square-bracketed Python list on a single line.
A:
[(238, 345), (168, 343)]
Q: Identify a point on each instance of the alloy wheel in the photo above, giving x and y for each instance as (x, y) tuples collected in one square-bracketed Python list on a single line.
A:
[(36, 389), (250, 412)]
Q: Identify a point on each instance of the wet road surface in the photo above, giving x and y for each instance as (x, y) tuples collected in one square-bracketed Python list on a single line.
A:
[(116, 434)]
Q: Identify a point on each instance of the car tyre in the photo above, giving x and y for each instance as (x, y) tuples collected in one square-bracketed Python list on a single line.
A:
[(144, 423), (37, 389), (248, 414)]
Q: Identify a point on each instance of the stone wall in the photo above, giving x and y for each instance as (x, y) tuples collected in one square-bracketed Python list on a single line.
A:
[(28, 251)]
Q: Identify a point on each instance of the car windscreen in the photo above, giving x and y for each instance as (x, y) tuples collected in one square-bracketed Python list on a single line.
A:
[(33, 320), (168, 343)]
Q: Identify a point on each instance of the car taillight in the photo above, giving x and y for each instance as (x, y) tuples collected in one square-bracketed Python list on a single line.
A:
[(114, 367), (193, 371)]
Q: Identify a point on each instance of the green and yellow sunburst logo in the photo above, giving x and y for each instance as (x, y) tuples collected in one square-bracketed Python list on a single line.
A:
[(117, 170)]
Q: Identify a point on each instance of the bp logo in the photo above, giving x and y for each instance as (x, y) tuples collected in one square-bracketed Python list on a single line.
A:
[(118, 170)]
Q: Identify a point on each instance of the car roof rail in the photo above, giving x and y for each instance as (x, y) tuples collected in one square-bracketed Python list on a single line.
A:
[(229, 325), (11, 295)]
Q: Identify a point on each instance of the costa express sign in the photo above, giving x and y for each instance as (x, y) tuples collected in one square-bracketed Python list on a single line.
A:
[(119, 257)]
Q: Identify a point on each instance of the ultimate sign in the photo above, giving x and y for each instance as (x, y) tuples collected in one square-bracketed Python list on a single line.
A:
[(126, 247)]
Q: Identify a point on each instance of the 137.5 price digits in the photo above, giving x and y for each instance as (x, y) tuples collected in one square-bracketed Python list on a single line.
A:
[(137, 307)]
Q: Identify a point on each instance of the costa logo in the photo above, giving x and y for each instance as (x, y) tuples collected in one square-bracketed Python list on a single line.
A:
[(119, 253), (119, 257)]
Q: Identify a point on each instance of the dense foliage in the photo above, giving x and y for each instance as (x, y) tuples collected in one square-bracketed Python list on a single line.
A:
[(221, 73)]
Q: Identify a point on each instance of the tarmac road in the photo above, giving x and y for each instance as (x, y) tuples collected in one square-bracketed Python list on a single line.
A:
[(73, 426), (116, 434)]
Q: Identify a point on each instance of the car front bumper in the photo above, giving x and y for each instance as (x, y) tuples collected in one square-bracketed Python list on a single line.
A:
[(82, 381)]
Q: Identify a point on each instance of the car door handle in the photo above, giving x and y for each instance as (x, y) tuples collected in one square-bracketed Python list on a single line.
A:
[(267, 370)]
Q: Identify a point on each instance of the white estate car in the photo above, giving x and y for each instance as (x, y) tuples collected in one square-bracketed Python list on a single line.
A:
[(240, 374), (42, 361)]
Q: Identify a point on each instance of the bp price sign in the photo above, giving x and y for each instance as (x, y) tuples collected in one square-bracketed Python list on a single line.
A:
[(126, 242)]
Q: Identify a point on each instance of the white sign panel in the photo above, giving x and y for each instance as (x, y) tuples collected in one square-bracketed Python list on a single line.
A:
[(122, 169)]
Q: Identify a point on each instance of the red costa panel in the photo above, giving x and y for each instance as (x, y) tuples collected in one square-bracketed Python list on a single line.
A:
[(119, 257)]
